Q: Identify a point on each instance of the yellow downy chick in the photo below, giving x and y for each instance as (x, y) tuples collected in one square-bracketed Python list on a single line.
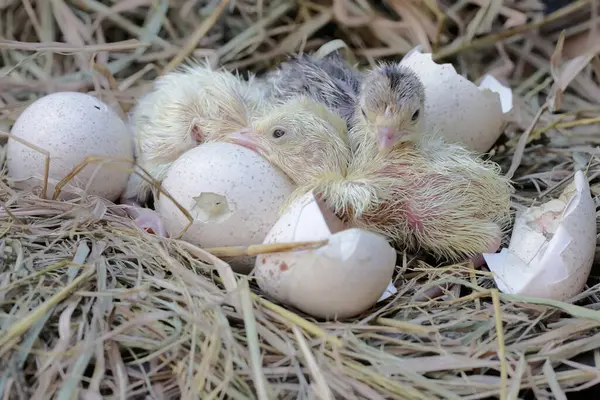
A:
[(428, 195), (187, 107), (301, 137)]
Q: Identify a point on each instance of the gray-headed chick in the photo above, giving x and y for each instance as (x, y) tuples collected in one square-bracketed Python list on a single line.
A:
[(329, 80), (387, 101), (391, 106)]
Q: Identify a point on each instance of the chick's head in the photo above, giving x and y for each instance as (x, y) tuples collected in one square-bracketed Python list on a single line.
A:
[(301, 137), (392, 103)]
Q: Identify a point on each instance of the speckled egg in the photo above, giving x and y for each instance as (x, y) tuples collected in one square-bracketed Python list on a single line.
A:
[(233, 194), (70, 126)]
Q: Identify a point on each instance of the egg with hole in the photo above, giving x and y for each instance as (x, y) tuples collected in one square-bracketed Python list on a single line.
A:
[(456, 108), (69, 127), (552, 246), (233, 194), (339, 280)]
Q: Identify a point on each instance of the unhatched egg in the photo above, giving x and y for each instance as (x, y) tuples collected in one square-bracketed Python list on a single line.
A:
[(233, 194), (70, 126)]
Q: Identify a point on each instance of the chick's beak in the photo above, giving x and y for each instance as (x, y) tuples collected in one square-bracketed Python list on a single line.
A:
[(244, 137), (387, 137)]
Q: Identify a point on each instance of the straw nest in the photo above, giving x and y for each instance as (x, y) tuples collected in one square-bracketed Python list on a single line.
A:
[(93, 308)]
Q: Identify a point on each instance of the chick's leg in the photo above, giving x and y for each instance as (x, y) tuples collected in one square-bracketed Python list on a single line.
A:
[(478, 260)]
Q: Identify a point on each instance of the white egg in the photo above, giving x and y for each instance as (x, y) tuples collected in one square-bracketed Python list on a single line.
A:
[(233, 194), (70, 126), (455, 108), (339, 280), (552, 247)]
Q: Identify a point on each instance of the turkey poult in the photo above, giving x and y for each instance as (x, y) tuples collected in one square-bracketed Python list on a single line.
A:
[(198, 105), (187, 107), (190, 106), (388, 101), (301, 137), (427, 194), (329, 81)]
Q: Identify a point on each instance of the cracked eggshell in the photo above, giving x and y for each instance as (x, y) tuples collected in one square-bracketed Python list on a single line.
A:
[(233, 194), (339, 280), (70, 126), (552, 247), (455, 108)]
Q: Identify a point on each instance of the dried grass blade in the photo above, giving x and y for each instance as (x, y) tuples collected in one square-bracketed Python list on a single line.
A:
[(522, 143), (252, 336), (323, 389), (198, 34), (71, 384), (301, 322), (501, 346), (21, 327), (513, 393), (553, 382)]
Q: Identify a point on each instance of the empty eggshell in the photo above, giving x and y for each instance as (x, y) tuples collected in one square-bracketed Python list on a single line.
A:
[(338, 280), (70, 126), (552, 247), (233, 194), (454, 107)]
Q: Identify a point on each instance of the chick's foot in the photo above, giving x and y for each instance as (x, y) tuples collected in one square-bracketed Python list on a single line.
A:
[(150, 221), (145, 218), (478, 260)]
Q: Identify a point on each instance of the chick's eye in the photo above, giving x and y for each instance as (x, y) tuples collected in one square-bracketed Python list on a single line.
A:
[(415, 115), (364, 113), (277, 133)]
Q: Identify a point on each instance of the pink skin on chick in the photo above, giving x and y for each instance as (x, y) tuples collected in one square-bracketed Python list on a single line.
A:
[(145, 218)]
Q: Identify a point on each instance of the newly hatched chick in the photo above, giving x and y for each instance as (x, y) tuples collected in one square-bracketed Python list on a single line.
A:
[(429, 195), (391, 106), (301, 137), (327, 80), (388, 100), (187, 107)]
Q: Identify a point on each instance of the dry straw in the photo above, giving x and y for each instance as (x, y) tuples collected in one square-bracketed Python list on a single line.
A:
[(91, 307)]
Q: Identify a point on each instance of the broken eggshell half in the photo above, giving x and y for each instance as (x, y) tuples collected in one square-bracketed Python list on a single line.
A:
[(455, 108), (338, 280), (233, 194), (552, 246)]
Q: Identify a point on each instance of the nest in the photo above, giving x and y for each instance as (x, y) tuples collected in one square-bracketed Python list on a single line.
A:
[(91, 307)]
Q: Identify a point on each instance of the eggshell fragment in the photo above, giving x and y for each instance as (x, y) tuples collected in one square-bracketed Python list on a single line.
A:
[(552, 247), (454, 107), (233, 194), (70, 126), (338, 280)]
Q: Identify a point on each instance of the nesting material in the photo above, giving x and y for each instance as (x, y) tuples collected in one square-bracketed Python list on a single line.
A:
[(455, 108), (552, 247), (339, 280), (233, 194), (71, 126)]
